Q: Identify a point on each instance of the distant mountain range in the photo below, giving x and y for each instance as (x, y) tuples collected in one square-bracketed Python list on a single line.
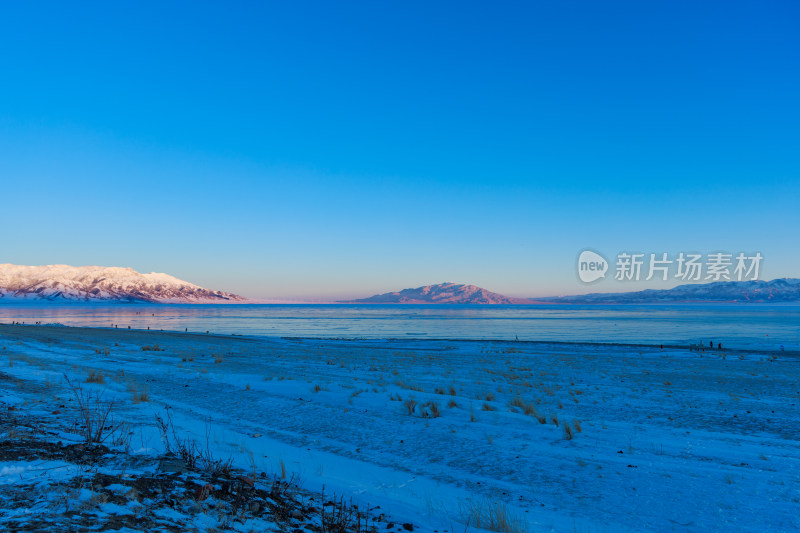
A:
[(443, 293), (114, 284), (95, 283), (777, 290)]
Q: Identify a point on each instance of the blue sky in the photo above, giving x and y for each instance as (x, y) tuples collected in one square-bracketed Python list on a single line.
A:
[(318, 149)]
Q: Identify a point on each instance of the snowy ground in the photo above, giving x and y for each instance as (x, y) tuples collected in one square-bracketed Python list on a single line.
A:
[(661, 440)]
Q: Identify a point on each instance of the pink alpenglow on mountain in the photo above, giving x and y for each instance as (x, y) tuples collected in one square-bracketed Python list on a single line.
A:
[(443, 293), (95, 283)]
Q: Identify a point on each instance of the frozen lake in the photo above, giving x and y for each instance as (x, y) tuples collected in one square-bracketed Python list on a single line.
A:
[(759, 326)]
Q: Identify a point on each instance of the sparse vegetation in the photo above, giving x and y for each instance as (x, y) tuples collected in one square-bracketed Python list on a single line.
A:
[(95, 377), (95, 416), (152, 348), (430, 410), (140, 396), (410, 405), (527, 408), (492, 516), (188, 449)]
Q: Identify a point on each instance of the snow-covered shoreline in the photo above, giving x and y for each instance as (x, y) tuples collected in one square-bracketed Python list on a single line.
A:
[(665, 439)]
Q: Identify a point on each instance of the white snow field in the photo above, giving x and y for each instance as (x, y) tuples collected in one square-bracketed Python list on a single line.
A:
[(661, 440)]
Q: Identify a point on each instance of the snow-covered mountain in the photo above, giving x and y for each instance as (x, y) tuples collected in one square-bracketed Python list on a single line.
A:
[(777, 290), (443, 293), (90, 283)]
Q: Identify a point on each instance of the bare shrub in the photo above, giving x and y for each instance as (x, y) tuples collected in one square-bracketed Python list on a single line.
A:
[(567, 431), (451, 404), (95, 415), (487, 407), (339, 517), (189, 451)]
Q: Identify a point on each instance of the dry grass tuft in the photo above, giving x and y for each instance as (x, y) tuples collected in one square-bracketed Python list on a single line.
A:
[(527, 408), (411, 405), (153, 348), (140, 396), (492, 516), (487, 407), (431, 410), (95, 377)]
